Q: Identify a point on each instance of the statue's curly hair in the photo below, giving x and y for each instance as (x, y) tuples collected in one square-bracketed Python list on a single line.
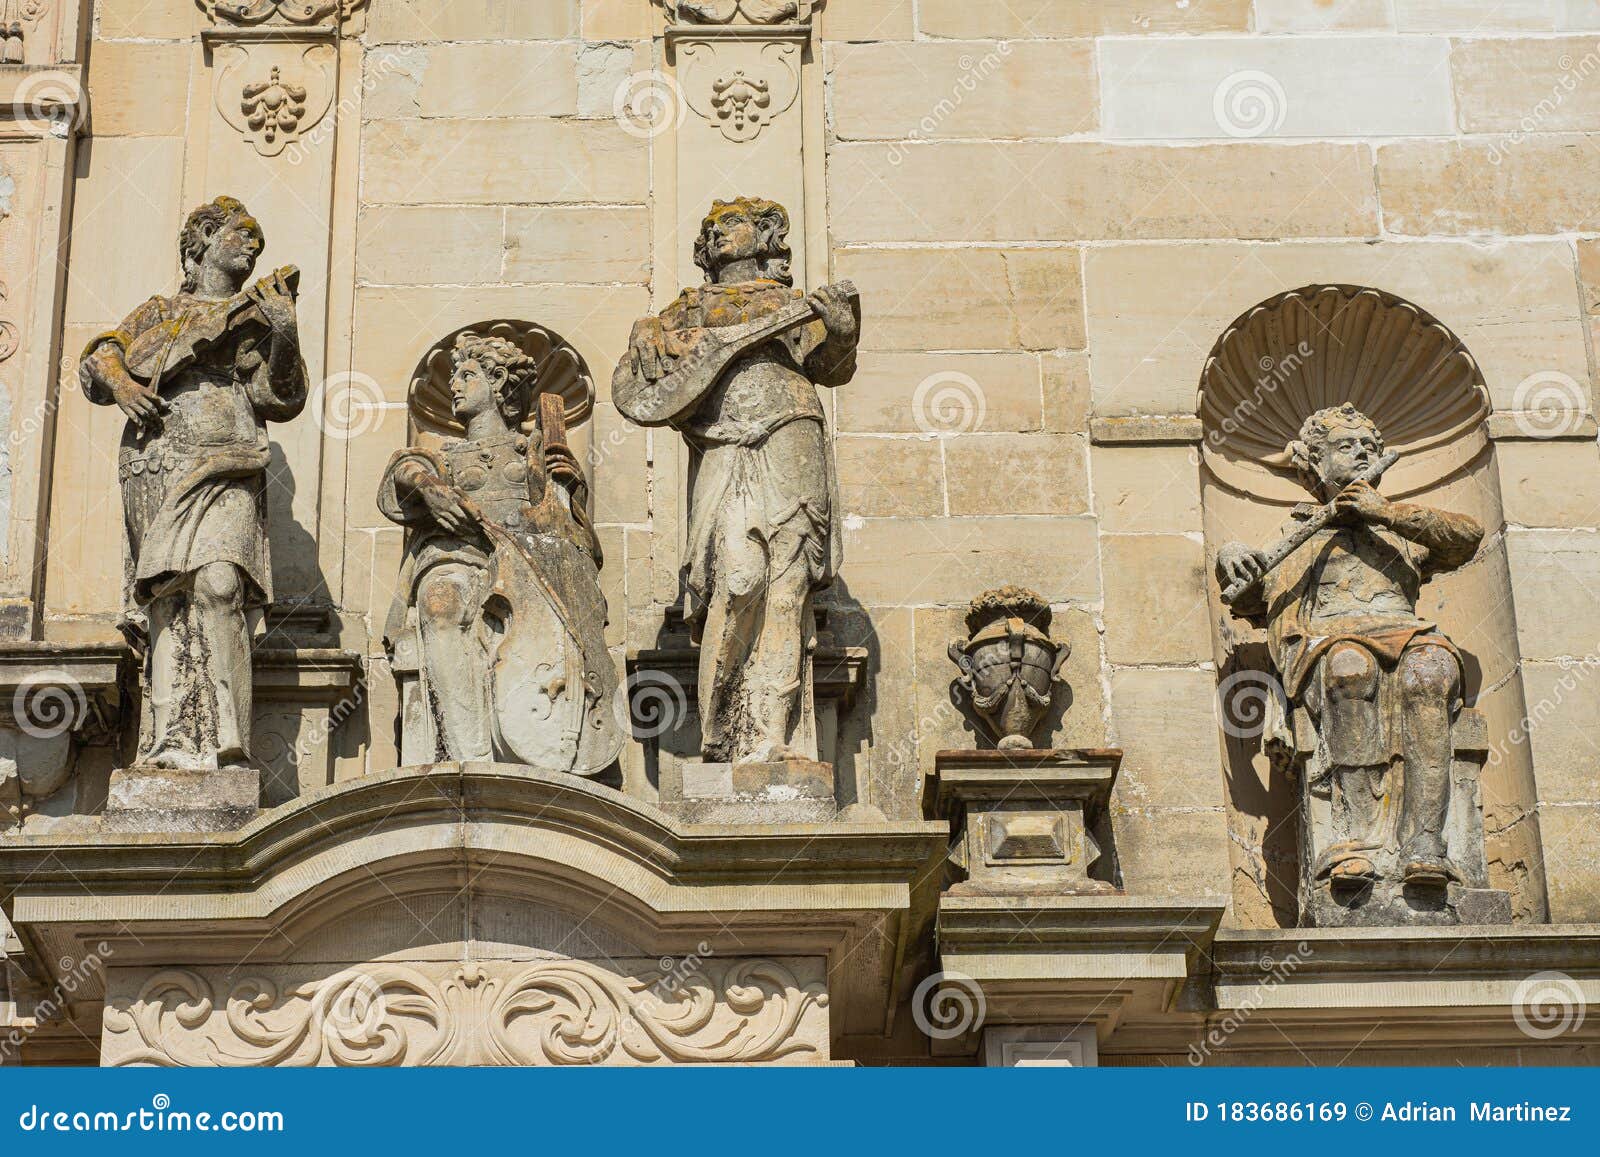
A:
[(198, 230), (1305, 450), (772, 226), (521, 370)]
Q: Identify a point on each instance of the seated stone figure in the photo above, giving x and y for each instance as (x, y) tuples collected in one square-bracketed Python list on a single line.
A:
[(1379, 685), (501, 578)]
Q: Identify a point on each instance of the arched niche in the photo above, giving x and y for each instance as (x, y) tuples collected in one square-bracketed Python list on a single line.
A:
[(562, 372), (1279, 361)]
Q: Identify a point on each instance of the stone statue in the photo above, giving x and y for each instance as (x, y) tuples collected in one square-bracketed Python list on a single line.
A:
[(501, 576), (1379, 687), (733, 365), (200, 375), (1009, 664)]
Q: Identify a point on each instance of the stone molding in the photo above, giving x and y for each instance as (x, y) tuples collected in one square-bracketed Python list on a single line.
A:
[(289, 13), (849, 891), (497, 1012)]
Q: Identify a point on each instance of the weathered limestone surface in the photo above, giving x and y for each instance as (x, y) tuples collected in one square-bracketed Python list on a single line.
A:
[(1052, 210)]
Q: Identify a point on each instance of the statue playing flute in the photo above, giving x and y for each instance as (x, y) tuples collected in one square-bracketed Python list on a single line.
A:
[(199, 375), (1379, 686)]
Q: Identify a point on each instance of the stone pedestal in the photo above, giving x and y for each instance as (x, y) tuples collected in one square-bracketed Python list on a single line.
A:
[(159, 799), (1026, 819), (787, 791)]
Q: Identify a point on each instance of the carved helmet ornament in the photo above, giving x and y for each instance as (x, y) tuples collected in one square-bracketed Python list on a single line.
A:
[(561, 372), (1324, 345), (1009, 663)]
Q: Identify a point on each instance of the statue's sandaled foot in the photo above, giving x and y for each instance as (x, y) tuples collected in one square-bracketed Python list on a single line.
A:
[(1352, 871), (1429, 871)]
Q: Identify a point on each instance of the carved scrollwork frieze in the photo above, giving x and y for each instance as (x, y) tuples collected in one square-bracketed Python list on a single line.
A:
[(546, 1012)]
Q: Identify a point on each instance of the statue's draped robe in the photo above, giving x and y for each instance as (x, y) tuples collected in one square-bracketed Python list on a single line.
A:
[(540, 615), (1355, 585), (194, 492), (764, 498), (194, 487)]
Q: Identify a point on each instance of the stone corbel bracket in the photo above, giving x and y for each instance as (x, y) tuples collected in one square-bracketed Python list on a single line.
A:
[(54, 699), (43, 102)]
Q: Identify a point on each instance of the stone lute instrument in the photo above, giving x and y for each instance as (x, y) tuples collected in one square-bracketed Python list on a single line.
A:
[(1303, 533), (166, 347), (698, 369)]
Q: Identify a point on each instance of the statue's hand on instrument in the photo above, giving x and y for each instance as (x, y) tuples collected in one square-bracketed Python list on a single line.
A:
[(1239, 565), (451, 510), (647, 349), (275, 296), (837, 313), (143, 405), (1360, 502)]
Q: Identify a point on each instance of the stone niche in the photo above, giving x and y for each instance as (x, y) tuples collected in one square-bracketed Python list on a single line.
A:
[(1321, 346)]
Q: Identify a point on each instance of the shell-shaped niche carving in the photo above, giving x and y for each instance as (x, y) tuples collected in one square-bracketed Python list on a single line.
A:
[(562, 372), (1323, 345)]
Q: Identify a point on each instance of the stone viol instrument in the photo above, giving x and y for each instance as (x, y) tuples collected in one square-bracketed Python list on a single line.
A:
[(697, 370), (1302, 534), (166, 347)]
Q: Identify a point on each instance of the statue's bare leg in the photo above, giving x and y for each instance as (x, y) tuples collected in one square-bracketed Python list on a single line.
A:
[(1429, 686), (219, 616), (456, 667), (778, 662), (200, 678), (1353, 736)]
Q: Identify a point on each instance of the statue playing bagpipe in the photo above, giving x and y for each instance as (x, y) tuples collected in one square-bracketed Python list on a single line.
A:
[(199, 375), (501, 576)]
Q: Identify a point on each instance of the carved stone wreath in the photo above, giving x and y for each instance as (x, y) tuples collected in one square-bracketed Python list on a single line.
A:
[(549, 1012)]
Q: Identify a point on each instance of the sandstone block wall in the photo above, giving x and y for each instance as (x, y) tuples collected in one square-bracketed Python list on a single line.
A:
[(1052, 209)]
